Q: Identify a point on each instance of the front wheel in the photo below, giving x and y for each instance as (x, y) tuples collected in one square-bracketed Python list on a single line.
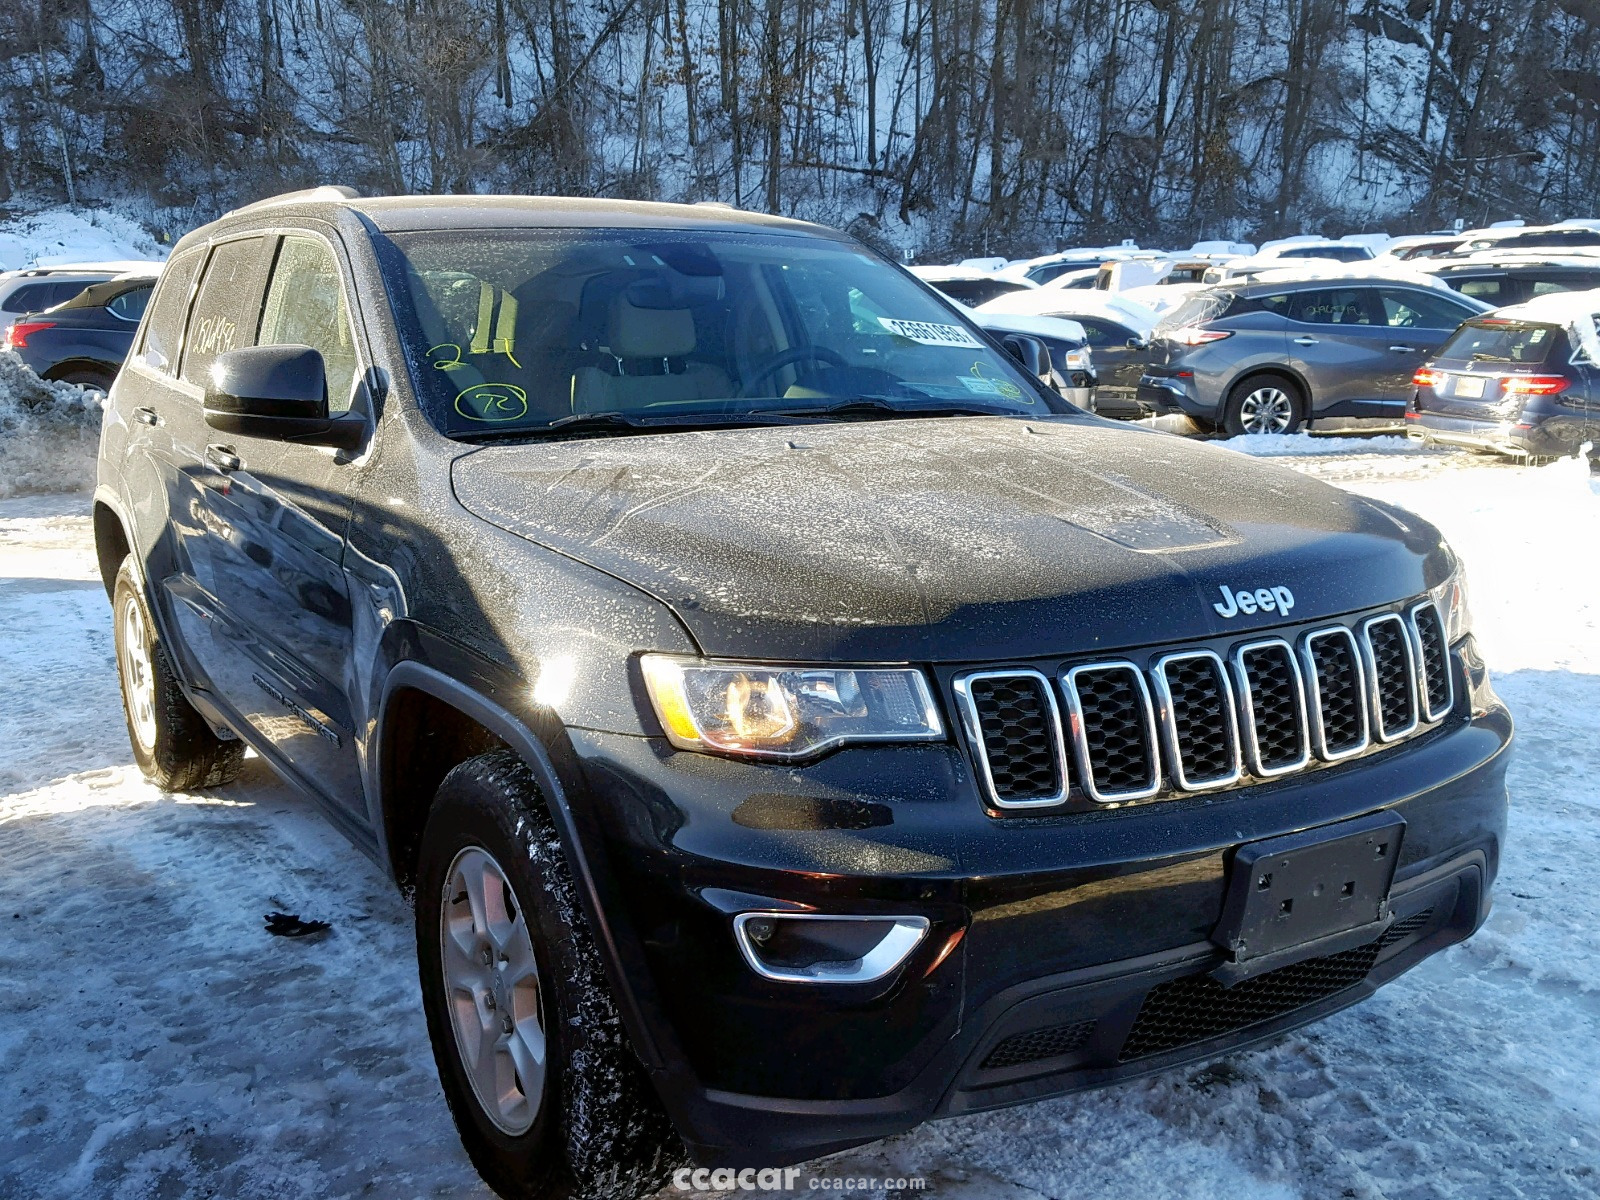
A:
[(546, 1092), (1263, 404), (172, 743)]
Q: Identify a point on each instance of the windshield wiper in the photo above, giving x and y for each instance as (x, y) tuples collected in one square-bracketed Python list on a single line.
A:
[(1480, 357), (867, 406)]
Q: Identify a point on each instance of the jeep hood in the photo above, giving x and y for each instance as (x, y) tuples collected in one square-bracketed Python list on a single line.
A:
[(949, 539)]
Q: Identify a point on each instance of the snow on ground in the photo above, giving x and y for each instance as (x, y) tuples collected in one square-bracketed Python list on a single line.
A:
[(49, 432), (155, 1041), (68, 235)]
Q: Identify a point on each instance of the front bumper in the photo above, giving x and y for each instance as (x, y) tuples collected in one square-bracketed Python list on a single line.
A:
[(1063, 952)]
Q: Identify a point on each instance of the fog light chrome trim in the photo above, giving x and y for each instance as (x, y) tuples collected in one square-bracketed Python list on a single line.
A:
[(903, 936)]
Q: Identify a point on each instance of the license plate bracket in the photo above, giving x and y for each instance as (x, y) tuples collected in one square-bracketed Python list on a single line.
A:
[(1469, 386), (1305, 894)]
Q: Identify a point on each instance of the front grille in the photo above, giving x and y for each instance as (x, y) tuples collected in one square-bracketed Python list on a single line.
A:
[(1201, 733), (1433, 660), (1114, 726), (1338, 693), (1388, 655), (1274, 707), (1039, 1044), (1197, 1007), (1018, 731)]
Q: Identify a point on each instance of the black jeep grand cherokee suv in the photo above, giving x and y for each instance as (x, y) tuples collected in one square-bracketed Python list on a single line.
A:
[(792, 722)]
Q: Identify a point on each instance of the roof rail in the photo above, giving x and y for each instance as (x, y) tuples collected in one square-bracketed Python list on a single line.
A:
[(328, 192)]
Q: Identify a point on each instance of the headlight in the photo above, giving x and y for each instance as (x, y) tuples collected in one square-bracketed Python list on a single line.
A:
[(787, 712), (1451, 597), (1079, 360)]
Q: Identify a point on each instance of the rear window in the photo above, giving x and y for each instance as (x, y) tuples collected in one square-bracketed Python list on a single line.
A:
[(973, 292), (1203, 306), (36, 297), (1501, 341)]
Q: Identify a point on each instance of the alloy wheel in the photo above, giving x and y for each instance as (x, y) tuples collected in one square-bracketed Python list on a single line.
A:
[(492, 990), (1266, 410), (138, 675)]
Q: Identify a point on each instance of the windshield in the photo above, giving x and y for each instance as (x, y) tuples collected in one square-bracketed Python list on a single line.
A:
[(512, 331), (1500, 342)]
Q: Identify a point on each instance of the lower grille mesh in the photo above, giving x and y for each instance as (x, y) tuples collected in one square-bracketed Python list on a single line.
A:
[(1038, 1044), (1197, 1007)]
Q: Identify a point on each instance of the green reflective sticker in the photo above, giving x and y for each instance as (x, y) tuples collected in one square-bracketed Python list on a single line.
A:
[(492, 402)]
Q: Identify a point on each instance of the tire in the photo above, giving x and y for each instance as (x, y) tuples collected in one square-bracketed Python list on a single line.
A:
[(88, 377), (1263, 404), (172, 743), (585, 1121)]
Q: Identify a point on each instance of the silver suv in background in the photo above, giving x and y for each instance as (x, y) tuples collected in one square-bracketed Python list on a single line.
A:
[(1275, 357)]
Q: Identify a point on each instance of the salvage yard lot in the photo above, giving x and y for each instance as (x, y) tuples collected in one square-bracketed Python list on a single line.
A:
[(156, 1041)]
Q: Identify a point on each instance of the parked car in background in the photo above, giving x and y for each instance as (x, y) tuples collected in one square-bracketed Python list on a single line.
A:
[(1306, 246), (1071, 360), (1047, 267), (1118, 332), (1563, 236), (34, 289), (85, 339), (1420, 246), (1502, 277), (1522, 380), (1274, 357), (969, 285)]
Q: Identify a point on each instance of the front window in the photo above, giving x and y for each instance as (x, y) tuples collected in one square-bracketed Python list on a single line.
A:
[(514, 331)]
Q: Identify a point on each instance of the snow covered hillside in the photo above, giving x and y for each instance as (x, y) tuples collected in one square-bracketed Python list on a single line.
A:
[(155, 1041), (67, 235)]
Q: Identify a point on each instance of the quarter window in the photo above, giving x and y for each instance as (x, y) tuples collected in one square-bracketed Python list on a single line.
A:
[(130, 304), (305, 306), (224, 308)]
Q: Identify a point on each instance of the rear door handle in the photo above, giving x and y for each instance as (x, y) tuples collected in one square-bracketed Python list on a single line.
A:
[(223, 457), (1404, 349), (1305, 341), (146, 416)]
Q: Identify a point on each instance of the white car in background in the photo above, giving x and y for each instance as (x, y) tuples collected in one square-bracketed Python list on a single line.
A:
[(969, 285)]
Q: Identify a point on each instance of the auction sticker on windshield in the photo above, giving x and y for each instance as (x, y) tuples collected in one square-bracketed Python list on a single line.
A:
[(925, 333)]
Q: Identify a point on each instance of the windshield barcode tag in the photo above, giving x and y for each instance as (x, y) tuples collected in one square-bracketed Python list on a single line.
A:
[(925, 333)]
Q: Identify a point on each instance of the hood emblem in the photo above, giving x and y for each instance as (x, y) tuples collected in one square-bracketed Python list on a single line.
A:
[(1273, 599)]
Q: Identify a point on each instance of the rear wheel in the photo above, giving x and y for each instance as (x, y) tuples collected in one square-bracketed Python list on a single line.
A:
[(1263, 404), (172, 743), (547, 1094), (92, 379)]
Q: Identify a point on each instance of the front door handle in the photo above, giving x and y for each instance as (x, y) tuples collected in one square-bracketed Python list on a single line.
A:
[(223, 457), (146, 416), (1305, 341), (1404, 349)]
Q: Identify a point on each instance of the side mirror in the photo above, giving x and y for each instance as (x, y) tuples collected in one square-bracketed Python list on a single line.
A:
[(1031, 353), (1136, 343), (278, 392)]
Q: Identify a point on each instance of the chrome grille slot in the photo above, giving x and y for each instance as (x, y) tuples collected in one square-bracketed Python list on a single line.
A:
[(1335, 689), (1272, 708), (1391, 676), (1198, 720), (1014, 728), (1435, 687), (1113, 731)]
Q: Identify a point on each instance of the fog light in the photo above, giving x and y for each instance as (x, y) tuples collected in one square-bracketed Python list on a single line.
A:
[(822, 948)]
